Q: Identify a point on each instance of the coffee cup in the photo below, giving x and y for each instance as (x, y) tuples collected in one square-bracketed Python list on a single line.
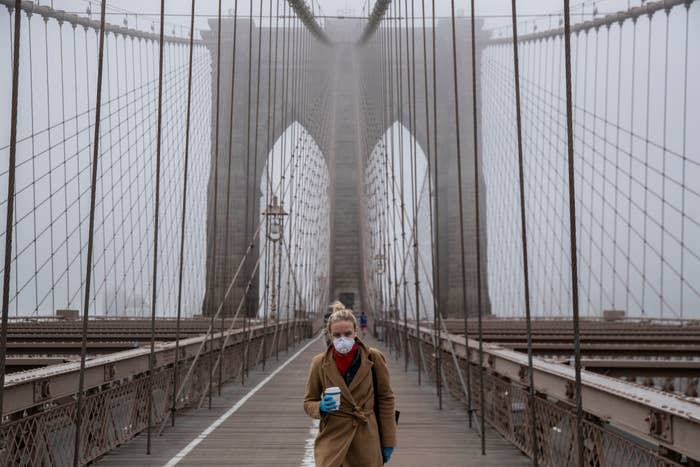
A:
[(335, 393)]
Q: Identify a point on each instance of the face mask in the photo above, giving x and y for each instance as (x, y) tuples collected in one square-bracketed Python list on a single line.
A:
[(343, 345)]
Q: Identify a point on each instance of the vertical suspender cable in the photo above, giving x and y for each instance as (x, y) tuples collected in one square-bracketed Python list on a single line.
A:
[(154, 292), (683, 182), (254, 201), (385, 193), (247, 179), (386, 85), (523, 231), (184, 218), (397, 64), (267, 180), (11, 199), (389, 183), (572, 233), (436, 223), (633, 86), (663, 170), (50, 168), (91, 231), (283, 117), (465, 303), (283, 174), (228, 183), (478, 233), (414, 170), (429, 151), (293, 191), (404, 280), (215, 210)]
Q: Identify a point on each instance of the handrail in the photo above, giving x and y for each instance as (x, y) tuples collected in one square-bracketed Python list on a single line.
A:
[(31, 388), (627, 406)]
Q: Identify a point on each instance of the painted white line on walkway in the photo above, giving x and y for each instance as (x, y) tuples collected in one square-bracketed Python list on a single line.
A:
[(210, 429), (308, 460)]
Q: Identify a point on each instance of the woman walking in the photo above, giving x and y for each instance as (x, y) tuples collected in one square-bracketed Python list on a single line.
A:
[(360, 430)]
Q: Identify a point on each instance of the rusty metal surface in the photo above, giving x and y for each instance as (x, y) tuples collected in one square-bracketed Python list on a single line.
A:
[(611, 406)]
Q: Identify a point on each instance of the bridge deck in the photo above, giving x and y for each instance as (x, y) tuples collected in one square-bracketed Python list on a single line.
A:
[(270, 427)]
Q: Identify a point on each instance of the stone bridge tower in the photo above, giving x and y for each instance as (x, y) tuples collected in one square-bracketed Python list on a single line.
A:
[(338, 104)]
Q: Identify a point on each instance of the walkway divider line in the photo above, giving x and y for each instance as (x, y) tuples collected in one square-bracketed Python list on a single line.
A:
[(219, 421)]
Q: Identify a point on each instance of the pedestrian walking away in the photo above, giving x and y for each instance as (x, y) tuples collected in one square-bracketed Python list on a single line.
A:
[(349, 390), (363, 324)]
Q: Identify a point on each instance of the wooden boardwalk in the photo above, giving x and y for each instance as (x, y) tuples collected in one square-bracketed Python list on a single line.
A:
[(270, 427)]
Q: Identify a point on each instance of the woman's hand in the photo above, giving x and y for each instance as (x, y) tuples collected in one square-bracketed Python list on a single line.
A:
[(327, 404), (386, 454)]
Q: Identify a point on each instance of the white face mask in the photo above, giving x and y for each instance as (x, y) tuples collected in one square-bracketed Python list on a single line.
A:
[(343, 344)]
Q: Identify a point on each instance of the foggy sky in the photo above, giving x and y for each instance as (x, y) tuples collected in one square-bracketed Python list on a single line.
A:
[(490, 9)]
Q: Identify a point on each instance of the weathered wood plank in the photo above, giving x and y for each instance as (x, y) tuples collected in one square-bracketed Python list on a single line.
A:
[(272, 429)]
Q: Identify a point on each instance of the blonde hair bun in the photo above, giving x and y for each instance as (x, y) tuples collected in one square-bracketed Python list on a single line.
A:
[(340, 313)]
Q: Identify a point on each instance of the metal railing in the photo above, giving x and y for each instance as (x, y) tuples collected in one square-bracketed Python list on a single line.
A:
[(640, 427), (40, 406)]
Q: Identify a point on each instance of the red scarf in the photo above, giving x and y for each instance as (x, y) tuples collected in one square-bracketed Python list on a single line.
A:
[(343, 362)]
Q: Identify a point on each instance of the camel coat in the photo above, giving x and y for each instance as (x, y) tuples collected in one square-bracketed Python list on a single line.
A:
[(349, 436)]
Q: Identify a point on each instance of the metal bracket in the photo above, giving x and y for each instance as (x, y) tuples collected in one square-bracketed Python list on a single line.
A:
[(522, 374), (492, 361), (109, 371), (42, 390), (661, 425), (570, 390)]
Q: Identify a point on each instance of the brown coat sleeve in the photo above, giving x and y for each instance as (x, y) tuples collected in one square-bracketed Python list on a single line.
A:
[(385, 397), (314, 389)]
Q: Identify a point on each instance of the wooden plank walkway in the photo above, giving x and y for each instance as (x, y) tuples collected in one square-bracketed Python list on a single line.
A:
[(270, 427)]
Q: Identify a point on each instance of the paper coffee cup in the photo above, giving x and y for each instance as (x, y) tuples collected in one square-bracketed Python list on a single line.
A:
[(335, 392)]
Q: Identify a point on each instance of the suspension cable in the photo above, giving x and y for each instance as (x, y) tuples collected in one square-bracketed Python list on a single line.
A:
[(12, 163), (523, 230), (436, 268), (477, 207), (465, 303), (91, 227), (184, 215), (212, 267), (154, 285), (572, 234), (229, 174)]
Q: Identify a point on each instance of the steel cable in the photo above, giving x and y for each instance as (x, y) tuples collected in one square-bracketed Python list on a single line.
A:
[(523, 226), (572, 233), (91, 233)]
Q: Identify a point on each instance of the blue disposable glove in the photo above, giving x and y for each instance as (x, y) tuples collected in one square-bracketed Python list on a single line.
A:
[(328, 404), (386, 454)]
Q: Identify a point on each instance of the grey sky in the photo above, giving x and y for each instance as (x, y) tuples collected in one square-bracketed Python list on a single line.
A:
[(33, 119)]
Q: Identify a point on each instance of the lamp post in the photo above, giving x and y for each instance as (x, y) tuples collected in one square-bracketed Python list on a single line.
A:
[(379, 269), (274, 213)]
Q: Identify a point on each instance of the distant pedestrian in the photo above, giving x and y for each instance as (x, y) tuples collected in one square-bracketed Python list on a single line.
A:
[(349, 390), (363, 324)]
